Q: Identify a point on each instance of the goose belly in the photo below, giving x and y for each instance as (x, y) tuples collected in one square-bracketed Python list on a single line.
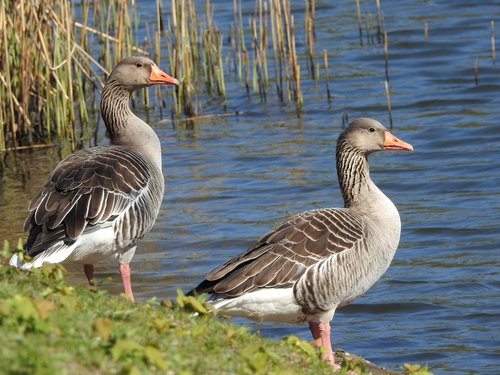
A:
[(266, 304), (93, 247)]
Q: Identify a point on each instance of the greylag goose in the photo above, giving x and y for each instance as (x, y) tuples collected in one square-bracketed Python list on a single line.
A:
[(318, 260), (101, 201)]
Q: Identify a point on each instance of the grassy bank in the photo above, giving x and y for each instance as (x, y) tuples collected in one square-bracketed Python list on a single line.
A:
[(48, 326)]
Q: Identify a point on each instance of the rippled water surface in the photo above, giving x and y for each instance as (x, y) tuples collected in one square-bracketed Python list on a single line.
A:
[(229, 179)]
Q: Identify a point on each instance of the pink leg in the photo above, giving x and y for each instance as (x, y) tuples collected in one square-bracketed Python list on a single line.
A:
[(89, 272), (125, 273), (321, 335)]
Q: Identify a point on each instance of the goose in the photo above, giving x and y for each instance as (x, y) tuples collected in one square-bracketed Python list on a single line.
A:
[(100, 201), (319, 260)]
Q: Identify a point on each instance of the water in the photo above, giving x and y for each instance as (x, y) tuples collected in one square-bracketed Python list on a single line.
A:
[(229, 179)]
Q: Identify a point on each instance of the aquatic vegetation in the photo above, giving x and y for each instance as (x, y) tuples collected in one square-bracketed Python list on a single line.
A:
[(56, 55), (51, 69)]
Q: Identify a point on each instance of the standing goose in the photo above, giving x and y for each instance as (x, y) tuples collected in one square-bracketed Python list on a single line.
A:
[(318, 260), (101, 201)]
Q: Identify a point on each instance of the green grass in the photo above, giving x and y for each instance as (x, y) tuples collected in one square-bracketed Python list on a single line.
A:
[(48, 326)]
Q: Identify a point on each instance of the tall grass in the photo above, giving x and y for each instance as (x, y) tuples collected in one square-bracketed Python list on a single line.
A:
[(55, 54)]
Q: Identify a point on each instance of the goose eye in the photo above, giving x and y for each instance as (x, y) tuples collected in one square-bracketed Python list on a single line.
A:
[(371, 130), (139, 65)]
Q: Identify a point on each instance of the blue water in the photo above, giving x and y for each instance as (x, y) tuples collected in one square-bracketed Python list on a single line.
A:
[(229, 179)]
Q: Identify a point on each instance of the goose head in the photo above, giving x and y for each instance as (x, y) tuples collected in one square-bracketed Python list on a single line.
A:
[(133, 73), (367, 135)]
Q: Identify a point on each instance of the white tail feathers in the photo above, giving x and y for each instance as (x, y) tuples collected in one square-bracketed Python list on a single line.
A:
[(55, 254), (15, 261)]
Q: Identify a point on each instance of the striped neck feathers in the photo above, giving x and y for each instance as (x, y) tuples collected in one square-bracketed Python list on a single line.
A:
[(124, 127), (353, 172), (115, 109)]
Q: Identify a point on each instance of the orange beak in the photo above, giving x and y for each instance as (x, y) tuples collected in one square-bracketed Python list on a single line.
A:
[(158, 77), (392, 142)]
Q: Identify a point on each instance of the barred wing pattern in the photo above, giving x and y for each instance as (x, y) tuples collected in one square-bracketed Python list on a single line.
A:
[(283, 255), (95, 187)]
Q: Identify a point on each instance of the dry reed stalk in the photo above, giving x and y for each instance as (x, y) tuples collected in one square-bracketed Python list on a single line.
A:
[(264, 40), (259, 33), (83, 37), (212, 55), (256, 56), (240, 49), (8, 109), (179, 44), (388, 97), (277, 46), (426, 30), (476, 71), (380, 21), (292, 54), (493, 49), (386, 55), (309, 31), (327, 79), (368, 27), (295, 66), (360, 23), (283, 44), (287, 48), (240, 42)]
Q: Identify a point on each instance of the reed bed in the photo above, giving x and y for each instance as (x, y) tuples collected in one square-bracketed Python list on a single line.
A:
[(194, 46), (196, 51), (49, 73), (373, 30), (38, 80), (56, 55), (286, 61)]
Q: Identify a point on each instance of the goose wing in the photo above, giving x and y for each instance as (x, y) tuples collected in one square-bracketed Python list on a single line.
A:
[(90, 188), (281, 256)]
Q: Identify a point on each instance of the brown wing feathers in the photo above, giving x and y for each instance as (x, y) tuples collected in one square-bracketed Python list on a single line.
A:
[(88, 187), (282, 255)]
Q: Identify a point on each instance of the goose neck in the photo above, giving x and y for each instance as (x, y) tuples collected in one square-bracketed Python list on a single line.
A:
[(115, 109), (124, 127), (353, 173)]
